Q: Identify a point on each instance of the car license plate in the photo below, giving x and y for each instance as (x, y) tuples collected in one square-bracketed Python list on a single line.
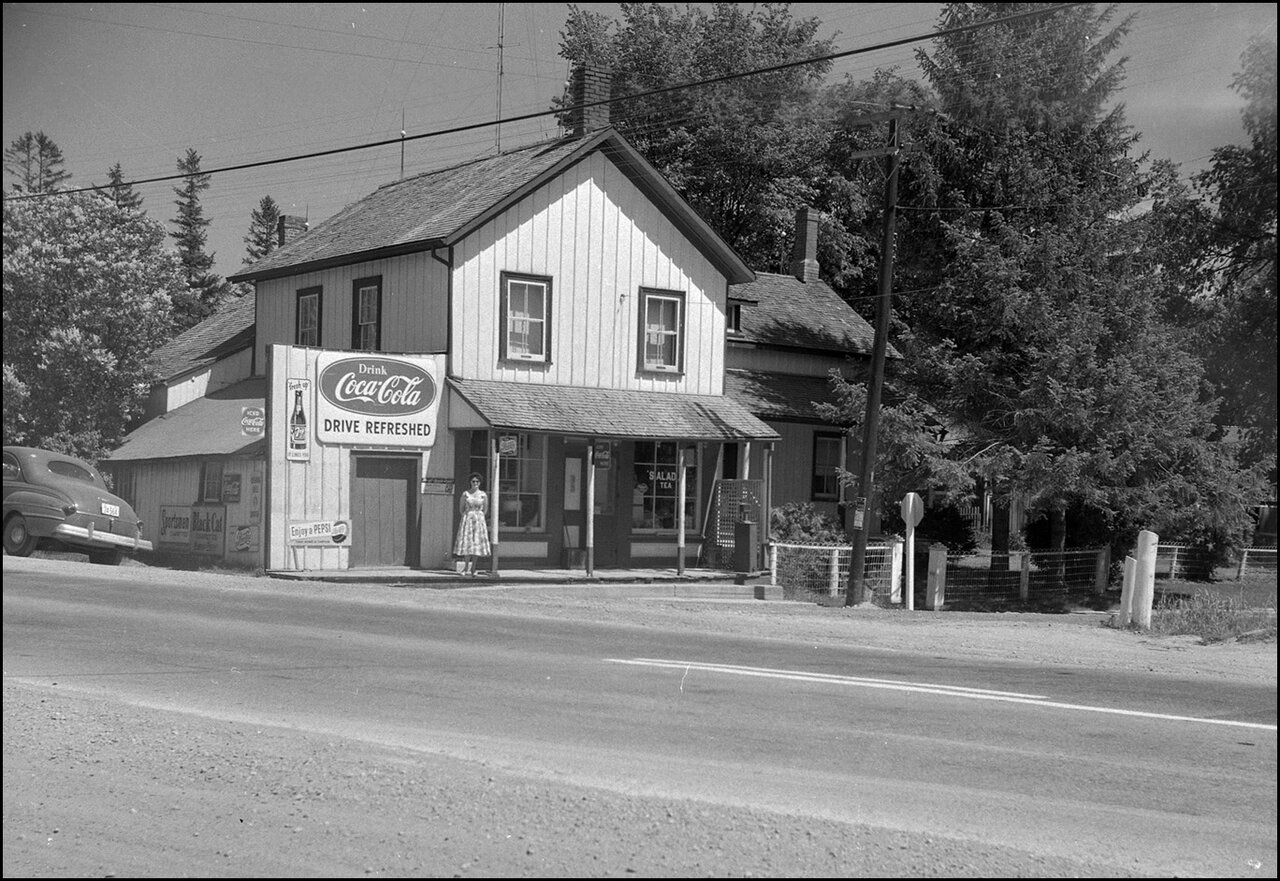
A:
[(110, 510)]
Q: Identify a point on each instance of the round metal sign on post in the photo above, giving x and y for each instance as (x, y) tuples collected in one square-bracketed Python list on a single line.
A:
[(912, 509)]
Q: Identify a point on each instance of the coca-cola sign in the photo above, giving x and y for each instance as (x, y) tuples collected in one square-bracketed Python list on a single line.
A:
[(376, 400), (377, 386)]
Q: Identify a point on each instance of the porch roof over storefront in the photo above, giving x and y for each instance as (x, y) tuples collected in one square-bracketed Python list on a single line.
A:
[(609, 413), (207, 426)]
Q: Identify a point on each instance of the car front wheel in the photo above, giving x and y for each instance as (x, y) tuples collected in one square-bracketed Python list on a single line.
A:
[(106, 558), (18, 541)]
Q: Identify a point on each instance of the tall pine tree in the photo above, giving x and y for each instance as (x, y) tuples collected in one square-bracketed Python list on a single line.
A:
[(205, 289), (35, 162), (1044, 336), (121, 191), (263, 234)]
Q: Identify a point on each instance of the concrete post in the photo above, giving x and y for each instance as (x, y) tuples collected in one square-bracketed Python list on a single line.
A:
[(1144, 578), (1126, 591), (935, 593), (1102, 570), (1024, 577), (895, 569), (833, 573)]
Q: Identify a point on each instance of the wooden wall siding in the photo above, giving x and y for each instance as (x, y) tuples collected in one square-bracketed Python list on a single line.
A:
[(774, 361), (218, 376), (599, 239), (792, 465), (321, 489), (415, 291), (176, 482)]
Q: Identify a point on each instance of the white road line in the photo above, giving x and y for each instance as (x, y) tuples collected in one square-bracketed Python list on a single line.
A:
[(922, 688)]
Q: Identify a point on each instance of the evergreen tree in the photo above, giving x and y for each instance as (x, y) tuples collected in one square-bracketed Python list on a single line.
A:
[(263, 234), (1044, 337), (121, 191), (35, 161), (1240, 321), (205, 289)]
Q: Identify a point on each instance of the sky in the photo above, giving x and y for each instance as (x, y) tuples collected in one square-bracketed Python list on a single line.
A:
[(140, 83)]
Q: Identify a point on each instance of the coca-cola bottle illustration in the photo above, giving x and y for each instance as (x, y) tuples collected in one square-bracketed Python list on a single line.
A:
[(298, 424)]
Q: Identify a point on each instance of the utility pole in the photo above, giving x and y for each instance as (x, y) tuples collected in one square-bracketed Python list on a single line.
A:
[(857, 591)]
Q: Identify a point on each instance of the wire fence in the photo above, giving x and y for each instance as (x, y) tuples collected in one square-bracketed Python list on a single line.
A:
[(1256, 560), (807, 571), (985, 578)]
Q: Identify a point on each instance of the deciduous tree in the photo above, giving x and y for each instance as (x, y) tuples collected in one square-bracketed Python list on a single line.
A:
[(87, 290)]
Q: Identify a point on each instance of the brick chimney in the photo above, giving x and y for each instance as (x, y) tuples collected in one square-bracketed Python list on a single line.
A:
[(804, 257), (289, 228), (587, 84)]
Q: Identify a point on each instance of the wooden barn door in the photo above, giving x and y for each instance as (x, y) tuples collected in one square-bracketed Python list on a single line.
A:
[(383, 521)]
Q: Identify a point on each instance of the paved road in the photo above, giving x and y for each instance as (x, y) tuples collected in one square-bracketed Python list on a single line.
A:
[(1143, 774)]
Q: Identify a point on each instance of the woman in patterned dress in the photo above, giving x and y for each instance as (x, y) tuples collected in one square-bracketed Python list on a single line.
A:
[(473, 531)]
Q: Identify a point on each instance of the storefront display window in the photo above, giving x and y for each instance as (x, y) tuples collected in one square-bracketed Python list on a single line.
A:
[(656, 486), (522, 480)]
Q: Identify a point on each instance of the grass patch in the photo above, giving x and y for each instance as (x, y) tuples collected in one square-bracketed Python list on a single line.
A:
[(1217, 613)]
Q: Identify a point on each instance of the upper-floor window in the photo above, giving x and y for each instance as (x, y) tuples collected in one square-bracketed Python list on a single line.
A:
[(661, 330), (826, 464), (733, 318), (366, 314), (307, 332), (525, 310)]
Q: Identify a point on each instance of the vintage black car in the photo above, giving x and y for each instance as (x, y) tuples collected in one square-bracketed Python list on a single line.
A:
[(56, 501)]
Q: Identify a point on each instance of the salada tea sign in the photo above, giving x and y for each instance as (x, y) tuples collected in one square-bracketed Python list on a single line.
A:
[(383, 400)]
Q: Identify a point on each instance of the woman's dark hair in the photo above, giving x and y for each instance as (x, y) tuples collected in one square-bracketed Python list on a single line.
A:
[(475, 475)]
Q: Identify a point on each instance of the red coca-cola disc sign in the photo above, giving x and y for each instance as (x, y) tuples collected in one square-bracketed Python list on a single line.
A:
[(377, 386)]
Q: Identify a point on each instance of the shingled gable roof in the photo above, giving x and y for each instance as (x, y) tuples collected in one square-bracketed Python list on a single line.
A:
[(785, 311), (225, 332), (437, 208)]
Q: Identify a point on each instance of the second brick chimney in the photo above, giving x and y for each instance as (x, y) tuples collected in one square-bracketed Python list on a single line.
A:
[(588, 84), (804, 256), (289, 228)]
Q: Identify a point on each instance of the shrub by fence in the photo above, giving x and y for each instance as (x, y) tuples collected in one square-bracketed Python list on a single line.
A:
[(807, 571)]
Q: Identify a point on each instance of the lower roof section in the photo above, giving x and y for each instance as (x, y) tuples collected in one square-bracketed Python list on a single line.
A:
[(779, 396), (610, 413), (207, 426)]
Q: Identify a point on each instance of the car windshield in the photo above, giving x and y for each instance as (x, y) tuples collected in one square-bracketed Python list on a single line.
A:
[(70, 469)]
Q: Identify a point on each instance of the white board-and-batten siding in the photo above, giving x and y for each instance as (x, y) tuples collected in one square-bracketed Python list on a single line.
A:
[(599, 240), (415, 305)]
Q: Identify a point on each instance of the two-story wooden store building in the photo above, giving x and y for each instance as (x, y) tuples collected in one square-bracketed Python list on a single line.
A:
[(554, 318)]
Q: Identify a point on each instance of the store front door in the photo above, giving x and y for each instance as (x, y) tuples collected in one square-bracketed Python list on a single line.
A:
[(606, 520), (382, 511)]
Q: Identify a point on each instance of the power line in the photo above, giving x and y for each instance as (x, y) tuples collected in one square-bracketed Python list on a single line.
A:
[(570, 108)]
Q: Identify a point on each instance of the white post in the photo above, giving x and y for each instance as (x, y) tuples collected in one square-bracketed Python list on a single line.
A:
[(833, 573), (494, 500), (1126, 591), (681, 490), (591, 507), (936, 593), (773, 565), (895, 570), (1144, 578)]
